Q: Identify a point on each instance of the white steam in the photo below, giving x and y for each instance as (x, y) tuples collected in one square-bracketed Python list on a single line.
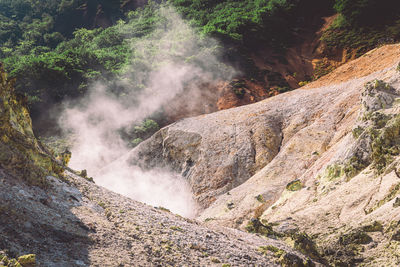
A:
[(172, 61)]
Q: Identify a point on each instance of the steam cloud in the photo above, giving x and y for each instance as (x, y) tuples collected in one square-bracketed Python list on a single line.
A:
[(172, 60)]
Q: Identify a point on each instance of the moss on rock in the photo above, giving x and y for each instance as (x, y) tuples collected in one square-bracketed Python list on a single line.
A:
[(396, 203), (27, 260), (386, 144), (303, 243), (393, 192), (334, 171), (356, 237), (349, 168), (255, 226), (374, 227), (277, 252), (21, 154), (357, 131), (285, 258), (295, 185)]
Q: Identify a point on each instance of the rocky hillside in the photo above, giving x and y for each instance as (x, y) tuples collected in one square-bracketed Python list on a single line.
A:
[(322, 160), (306, 178), (50, 216)]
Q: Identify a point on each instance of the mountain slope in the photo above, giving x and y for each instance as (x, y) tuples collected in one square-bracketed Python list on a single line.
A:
[(322, 160), (64, 219)]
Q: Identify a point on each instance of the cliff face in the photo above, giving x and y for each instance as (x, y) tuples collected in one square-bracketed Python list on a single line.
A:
[(20, 153), (321, 160)]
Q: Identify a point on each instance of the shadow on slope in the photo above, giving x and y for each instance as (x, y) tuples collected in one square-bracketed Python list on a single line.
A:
[(35, 207)]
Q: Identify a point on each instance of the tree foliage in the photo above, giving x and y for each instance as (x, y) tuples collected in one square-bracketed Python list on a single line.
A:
[(52, 62), (55, 48), (249, 22)]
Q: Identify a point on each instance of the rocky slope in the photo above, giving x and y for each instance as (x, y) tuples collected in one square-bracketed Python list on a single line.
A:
[(322, 160), (58, 218), (77, 223), (313, 174)]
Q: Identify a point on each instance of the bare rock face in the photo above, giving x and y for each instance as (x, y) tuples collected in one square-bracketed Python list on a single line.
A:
[(220, 151), (321, 161), (215, 153)]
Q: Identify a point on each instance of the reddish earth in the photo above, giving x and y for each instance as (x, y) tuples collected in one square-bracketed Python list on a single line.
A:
[(309, 60), (306, 61), (382, 58)]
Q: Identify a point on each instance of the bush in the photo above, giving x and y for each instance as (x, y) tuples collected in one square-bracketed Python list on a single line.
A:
[(368, 12)]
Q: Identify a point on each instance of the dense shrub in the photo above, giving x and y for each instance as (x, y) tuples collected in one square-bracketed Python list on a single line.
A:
[(364, 24), (266, 22), (56, 48), (368, 12)]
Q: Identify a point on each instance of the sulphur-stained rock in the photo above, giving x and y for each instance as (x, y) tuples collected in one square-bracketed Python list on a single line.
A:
[(20, 153), (27, 260), (215, 153)]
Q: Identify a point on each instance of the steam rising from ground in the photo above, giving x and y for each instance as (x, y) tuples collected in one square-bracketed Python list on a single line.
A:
[(172, 60)]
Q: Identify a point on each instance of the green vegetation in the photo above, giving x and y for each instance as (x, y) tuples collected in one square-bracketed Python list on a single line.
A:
[(140, 132), (215, 260), (295, 185), (277, 251), (147, 125), (385, 144), (176, 228), (396, 203), (27, 260), (393, 192), (356, 237), (303, 243), (285, 258), (374, 227), (333, 172), (20, 152), (257, 227), (357, 132), (56, 49), (22, 261), (349, 168), (144, 130), (303, 83), (368, 12), (322, 68), (236, 20), (258, 22), (260, 198), (163, 209), (47, 73), (364, 24)]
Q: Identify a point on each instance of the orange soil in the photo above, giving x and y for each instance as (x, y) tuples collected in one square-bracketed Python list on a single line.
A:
[(373, 61)]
